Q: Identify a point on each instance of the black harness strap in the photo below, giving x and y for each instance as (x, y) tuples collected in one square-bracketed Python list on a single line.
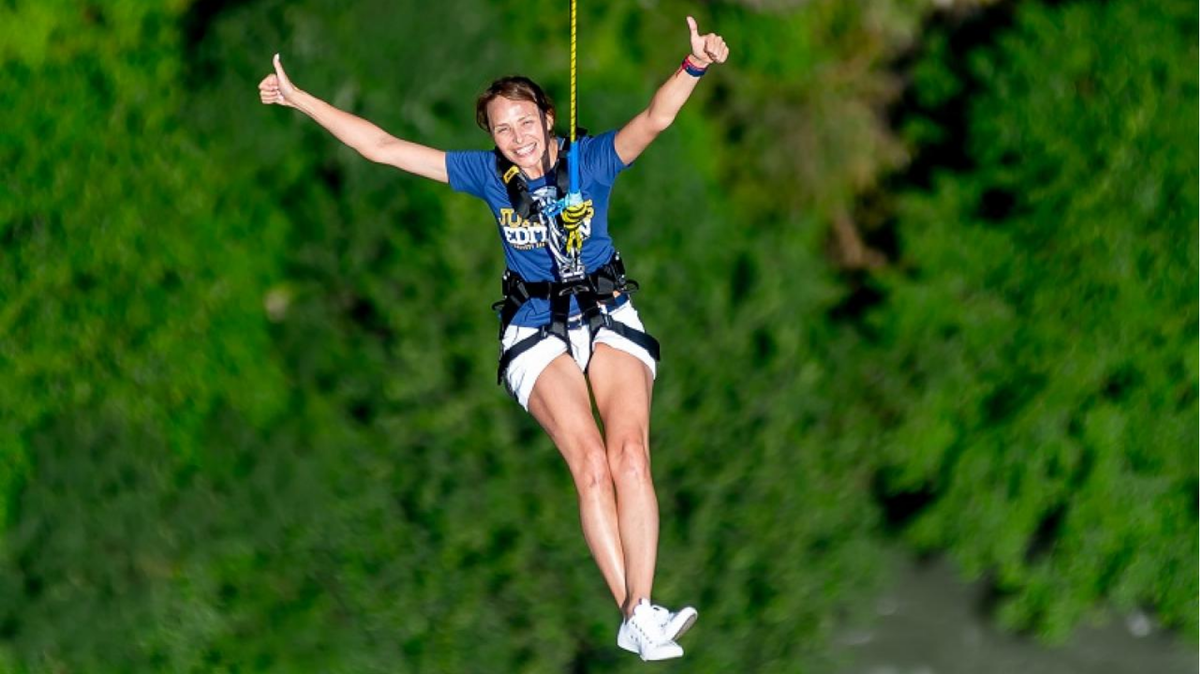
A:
[(590, 293), (557, 328)]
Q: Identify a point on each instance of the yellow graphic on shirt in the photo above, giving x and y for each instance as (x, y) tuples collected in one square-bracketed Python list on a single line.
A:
[(520, 233), (567, 240)]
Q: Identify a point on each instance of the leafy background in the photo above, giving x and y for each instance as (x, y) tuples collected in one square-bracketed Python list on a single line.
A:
[(925, 272)]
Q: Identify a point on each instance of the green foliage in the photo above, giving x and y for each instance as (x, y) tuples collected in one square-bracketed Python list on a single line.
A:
[(348, 492), (124, 282), (246, 413), (1040, 345)]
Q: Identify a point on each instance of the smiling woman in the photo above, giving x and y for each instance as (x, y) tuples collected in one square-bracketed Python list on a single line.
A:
[(570, 336), (522, 111)]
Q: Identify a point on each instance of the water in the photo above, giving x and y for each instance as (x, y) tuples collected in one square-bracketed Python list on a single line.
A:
[(929, 623)]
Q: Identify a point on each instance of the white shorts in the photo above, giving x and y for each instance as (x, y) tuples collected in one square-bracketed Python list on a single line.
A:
[(523, 372)]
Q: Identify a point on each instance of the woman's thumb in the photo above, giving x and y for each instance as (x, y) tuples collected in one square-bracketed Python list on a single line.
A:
[(279, 70)]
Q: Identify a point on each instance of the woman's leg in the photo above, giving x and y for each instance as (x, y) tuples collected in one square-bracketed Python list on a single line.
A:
[(560, 403), (622, 386)]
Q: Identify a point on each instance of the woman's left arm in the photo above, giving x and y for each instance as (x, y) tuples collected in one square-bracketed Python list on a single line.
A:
[(635, 136)]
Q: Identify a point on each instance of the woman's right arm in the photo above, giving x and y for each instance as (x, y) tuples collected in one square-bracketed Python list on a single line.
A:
[(367, 139)]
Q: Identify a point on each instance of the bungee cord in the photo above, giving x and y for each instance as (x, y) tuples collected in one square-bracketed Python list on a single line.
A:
[(573, 196), (569, 206)]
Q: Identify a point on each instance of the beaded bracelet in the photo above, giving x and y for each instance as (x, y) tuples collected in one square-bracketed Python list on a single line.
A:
[(692, 69)]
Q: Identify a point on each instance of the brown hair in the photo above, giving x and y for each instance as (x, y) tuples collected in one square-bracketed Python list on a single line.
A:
[(514, 88)]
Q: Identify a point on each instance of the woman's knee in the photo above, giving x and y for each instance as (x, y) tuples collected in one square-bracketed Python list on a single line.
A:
[(591, 471), (629, 458)]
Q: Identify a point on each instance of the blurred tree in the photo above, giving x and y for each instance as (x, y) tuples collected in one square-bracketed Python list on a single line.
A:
[(1036, 358), (246, 407), (134, 266)]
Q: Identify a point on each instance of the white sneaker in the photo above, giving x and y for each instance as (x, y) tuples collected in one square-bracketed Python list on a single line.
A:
[(642, 633), (675, 624)]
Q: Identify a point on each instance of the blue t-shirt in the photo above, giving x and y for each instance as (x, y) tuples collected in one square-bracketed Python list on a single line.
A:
[(531, 248)]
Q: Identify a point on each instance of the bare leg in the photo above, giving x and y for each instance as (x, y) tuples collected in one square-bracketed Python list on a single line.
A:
[(622, 386), (561, 404)]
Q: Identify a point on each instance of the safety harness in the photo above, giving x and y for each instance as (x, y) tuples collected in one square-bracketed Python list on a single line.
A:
[(605, 288), (592, 292)]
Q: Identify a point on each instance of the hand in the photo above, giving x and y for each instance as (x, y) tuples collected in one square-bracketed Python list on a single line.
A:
[(277, 88), (706, 49), (573, 215)]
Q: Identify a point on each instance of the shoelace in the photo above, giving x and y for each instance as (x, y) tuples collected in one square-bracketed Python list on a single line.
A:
[(647, 615), (655, 617), (636, 630)]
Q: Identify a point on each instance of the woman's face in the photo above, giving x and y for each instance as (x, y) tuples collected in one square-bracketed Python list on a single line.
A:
[(518, 132)]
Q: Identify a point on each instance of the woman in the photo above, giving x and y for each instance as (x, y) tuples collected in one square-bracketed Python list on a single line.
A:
[(566, 320)]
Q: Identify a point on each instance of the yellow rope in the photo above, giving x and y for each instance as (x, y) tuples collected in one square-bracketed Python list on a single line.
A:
[(573, 124)]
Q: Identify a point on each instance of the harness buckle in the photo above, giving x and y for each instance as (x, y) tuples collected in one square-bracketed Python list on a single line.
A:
[(574, 289)]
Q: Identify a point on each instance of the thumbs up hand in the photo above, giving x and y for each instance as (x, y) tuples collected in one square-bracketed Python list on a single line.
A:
[(706, 49), (277, 88)]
